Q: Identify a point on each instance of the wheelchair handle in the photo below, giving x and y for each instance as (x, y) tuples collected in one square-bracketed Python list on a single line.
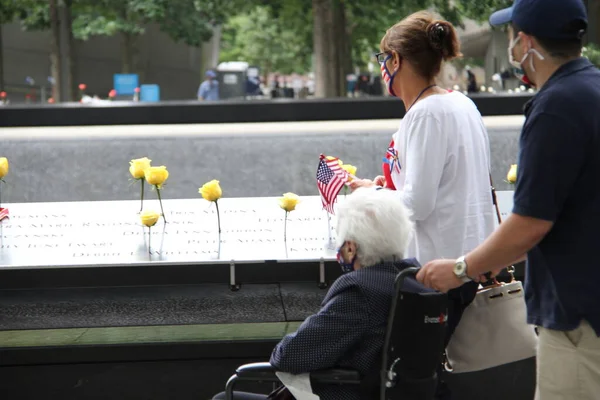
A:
[(405, 273)]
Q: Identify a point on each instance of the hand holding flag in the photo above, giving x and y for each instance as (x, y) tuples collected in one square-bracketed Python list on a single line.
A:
[(331, 178)]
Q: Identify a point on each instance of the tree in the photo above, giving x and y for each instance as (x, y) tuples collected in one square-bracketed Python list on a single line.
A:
[(341, 33), (55, 61), (592, 52), (480, 10), (259, 38), (187, 21), (355, 27), (124, 17), (53, 15), (9, 9), (358, 26), (192, 21)]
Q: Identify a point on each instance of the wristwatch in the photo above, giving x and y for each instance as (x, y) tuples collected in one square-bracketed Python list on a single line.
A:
[(460, 270)]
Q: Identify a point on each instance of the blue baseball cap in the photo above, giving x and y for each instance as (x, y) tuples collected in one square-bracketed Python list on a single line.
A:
[(210, 73), (548, 19)]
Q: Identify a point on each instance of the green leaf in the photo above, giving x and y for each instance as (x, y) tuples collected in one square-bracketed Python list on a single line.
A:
[(592, 52)]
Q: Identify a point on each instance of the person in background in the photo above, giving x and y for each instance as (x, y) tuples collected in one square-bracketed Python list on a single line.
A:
[(438, 162), (209, 89), (504, 76), (253, 86), (275, 88), (556, 215), (471, 81), (376, 87), (351, 84)]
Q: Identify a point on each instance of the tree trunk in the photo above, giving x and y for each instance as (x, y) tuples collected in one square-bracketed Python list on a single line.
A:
[(342, 45), (266, 71), (346, 45), (334, 48), (55, 50), (66, 44), (71, 55), (326, 82), (319, 46)]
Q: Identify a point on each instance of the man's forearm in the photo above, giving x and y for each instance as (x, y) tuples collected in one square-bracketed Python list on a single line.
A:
[(507, 245)]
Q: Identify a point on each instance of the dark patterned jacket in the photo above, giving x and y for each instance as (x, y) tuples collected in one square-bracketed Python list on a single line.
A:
[(348, 331)]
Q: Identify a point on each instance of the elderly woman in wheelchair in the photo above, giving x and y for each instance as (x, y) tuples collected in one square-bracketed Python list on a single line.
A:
[(376, 334)]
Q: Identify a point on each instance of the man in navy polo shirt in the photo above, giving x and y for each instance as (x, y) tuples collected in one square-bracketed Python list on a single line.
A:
[(556, 214)]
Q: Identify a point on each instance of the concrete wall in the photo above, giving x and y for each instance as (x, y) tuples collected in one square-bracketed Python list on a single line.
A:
[(177, 68), (250, 160)]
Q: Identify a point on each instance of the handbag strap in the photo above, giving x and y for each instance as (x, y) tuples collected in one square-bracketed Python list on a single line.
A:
[(495, 201), (510, 269)]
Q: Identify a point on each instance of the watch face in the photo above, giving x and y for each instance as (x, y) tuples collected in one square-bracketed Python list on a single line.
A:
[(459, 268)]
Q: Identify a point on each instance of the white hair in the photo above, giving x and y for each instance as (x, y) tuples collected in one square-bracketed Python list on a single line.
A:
[(378, 222)]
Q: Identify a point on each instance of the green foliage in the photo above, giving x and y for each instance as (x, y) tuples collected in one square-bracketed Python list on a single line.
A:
[(109, 17), (366, 24), (592, 52), (34, 14), (480, 10), (368, 21), (260, 38), (9, 9), (188, 21), (461, 63)]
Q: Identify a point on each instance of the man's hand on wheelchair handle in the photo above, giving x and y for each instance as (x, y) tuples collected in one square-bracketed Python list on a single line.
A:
[(439, 275)]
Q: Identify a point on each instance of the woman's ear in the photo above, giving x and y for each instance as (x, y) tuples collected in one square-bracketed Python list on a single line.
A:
[(396, 60)]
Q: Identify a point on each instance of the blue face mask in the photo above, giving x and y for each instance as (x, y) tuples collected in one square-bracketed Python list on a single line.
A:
[(346, 267)]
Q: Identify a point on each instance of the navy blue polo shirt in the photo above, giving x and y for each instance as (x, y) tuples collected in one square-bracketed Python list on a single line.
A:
[(558, 180)]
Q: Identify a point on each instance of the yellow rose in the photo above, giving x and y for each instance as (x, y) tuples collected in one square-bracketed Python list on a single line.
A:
[(332, 158), (511, 177), (138, 167), (3, 167), (211, 191), (156, 175), (289, 201), (149, 218), (351, 169)]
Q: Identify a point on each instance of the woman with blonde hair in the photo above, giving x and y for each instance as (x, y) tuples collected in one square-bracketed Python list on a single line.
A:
[(438, 161)]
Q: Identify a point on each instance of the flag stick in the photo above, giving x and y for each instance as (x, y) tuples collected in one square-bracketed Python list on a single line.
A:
[(329, 226)]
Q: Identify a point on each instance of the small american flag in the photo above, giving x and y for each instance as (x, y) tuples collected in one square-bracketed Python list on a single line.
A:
[(331, 178)]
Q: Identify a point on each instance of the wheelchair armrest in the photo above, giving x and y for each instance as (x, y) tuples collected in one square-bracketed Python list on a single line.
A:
[(336, 376), (261, 371)]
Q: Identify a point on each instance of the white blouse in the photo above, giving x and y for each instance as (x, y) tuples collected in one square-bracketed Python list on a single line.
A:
[(444, 155)]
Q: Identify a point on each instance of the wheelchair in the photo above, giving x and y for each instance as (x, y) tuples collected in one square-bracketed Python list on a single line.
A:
[(408, 371)]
